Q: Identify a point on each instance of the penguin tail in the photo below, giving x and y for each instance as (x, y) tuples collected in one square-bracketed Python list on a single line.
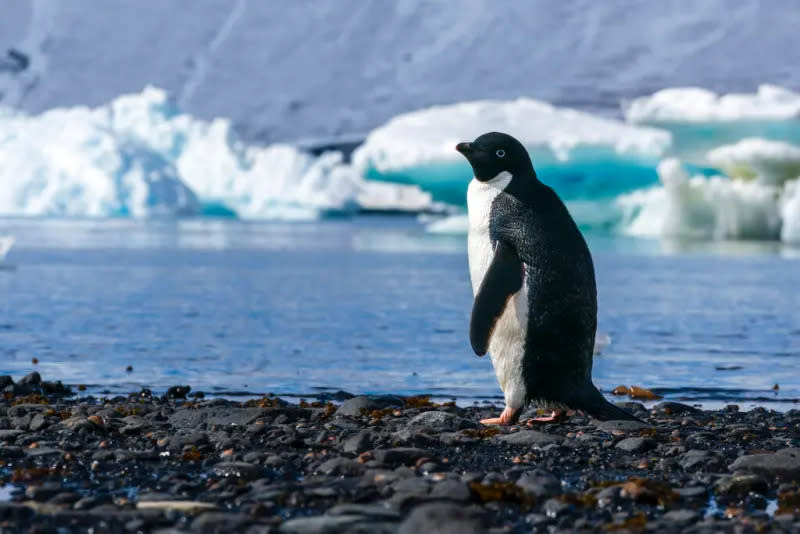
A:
[(589, 399)]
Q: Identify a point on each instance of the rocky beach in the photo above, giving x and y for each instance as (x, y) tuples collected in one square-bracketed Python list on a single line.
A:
[(342, 463)]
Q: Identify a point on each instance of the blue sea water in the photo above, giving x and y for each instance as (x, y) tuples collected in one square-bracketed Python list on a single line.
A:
[(371, 305)]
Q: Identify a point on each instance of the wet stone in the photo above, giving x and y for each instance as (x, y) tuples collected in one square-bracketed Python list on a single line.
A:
[(32, 379), (555, 508), (454, 490), (681, 516), (540, 483), (783, 464), (530, 438), (674, 408), (438, 422), (44, 492), (358, 443), (441, 517), (356, 406), (636, 444), (401, 455), (220, 522), (695, 460), (38, 422), (324, 524), (239, 470), (341, 466), (10, 435), (10, 451), (739, 485), (621, 426), (375, 511)]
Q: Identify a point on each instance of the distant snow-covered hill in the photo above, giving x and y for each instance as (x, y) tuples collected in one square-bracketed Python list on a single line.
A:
[(289, 71)]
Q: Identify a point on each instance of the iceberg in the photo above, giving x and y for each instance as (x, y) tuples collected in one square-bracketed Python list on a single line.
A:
[(694, 104), (716, 207), (771, 162), (139, 156), (579, 154), (700, 120)]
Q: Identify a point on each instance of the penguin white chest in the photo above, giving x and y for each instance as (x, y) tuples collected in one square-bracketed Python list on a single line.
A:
[(507, 345)]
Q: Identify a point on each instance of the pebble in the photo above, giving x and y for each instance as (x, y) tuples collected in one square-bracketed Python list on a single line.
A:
[(382, 464)]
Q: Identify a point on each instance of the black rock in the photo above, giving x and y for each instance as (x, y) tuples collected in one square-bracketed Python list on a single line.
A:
[(44, 492), (436, 421), (220, 522), (10, 435), (32, 379), (555, 507), (336, 396), (739, 485), (5, 381), (401, 455), (621, 426), (695, 459), (529, 438), (38, 422), (441, 518), (675, 408), (636, 444), (356, 406), (451, 489), (681, 517), (324, 524), (239, 470), (783, 464), (341, 466), (374, 511), (540, 483), (178, 392), (359, 442)]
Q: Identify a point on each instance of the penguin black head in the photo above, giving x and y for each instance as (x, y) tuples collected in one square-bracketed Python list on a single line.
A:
[(494, 152)]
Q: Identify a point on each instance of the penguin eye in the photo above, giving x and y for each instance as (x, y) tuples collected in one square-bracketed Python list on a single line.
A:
[(500, 153)]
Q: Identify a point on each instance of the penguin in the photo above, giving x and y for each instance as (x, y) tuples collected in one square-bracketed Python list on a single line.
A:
[(535, 307)]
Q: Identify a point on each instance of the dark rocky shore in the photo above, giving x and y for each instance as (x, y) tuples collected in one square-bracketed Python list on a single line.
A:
[(170, 463)]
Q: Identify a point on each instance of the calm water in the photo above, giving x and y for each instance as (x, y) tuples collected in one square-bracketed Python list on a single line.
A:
[(371, 305)]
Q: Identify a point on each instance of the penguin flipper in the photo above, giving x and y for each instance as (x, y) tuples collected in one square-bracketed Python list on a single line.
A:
[(502, 280)]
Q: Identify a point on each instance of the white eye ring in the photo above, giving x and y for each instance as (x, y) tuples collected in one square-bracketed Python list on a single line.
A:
[(500, 153)]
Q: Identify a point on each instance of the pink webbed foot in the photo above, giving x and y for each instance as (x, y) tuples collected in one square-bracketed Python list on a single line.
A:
[(554, 417), (508, 417)]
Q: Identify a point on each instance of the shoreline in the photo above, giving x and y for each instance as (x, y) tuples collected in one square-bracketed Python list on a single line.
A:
[(384, 464)]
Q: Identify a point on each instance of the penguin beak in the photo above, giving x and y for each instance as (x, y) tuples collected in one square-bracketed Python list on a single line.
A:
[(465, 148)]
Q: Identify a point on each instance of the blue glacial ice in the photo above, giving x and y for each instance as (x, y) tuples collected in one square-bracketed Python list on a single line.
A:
[(581, 155), (140, 156), (699, 119)]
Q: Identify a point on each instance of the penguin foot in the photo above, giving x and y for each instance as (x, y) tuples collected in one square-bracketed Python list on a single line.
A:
[(508, 417), (554, 417)]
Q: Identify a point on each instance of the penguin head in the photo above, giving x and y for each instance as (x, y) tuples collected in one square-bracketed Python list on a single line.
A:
[(494, 153)]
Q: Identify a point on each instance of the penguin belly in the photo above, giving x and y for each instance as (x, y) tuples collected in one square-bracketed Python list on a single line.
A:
[(507, 344)]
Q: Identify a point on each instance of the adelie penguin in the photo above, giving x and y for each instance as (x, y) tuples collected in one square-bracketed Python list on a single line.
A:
[(535, 308)]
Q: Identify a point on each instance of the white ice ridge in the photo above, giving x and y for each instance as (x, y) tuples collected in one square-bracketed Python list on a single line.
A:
[(139, 156), (772, 162), (693, 104), (712, 208), (430, 135)]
